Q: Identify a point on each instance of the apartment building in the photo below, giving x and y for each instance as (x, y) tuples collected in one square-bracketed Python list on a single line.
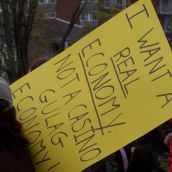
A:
[(59, 13), (65, 9), (49, 28), (47, 8)]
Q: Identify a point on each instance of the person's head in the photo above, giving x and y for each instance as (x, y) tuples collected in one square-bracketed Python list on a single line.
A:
[(154, 138), (10, 129), (6, 101), (37, 62)]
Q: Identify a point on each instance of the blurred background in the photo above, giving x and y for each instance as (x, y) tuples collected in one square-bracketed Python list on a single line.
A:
[(30, 29)]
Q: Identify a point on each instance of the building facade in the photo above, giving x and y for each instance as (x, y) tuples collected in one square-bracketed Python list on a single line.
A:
[(58, 14), (50, 28), (165, 14), (66, 8)]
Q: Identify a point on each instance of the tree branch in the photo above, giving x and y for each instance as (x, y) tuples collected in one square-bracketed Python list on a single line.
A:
[(73, 20)]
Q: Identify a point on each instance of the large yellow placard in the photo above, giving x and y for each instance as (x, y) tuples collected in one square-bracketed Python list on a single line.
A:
[(106, 90)]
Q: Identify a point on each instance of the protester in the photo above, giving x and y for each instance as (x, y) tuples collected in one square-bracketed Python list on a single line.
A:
[(170, 158), (168, 141), (149, 154), (116, 162), (14, 154)]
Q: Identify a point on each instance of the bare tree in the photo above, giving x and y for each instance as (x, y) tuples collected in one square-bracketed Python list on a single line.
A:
[(17, 21), (79, 9)]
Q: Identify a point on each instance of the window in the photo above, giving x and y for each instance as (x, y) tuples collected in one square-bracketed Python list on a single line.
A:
[(108, 3), (84, 16), (90, 12), (41, 1), (166, 6), (93, 15), (82, 1), (52, 1), (90, 15), (117, 3), (47, 1), (168, 24), (52, 15)]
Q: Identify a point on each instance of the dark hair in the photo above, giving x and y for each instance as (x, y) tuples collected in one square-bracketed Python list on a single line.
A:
[(141, 160), (11, 136), (154, 138)]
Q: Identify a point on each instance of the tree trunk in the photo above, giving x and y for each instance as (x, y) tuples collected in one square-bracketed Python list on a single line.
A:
[(11, 68)]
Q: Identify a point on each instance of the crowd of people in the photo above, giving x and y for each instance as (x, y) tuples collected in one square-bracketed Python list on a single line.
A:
[(14, 153), (150, 153), (14, 146)]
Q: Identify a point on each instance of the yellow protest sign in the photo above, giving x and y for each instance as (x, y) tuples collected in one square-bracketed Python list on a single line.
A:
[(106, 90)]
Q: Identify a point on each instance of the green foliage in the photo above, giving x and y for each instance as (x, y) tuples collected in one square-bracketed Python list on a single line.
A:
[(105, 13), (163, 163), (101, 13)]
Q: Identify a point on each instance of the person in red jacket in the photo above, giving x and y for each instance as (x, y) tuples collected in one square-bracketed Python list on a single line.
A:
[(14, 154), (170, 156), (168, 141)]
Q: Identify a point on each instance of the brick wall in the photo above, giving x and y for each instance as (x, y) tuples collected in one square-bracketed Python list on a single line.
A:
[(66, 8)]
